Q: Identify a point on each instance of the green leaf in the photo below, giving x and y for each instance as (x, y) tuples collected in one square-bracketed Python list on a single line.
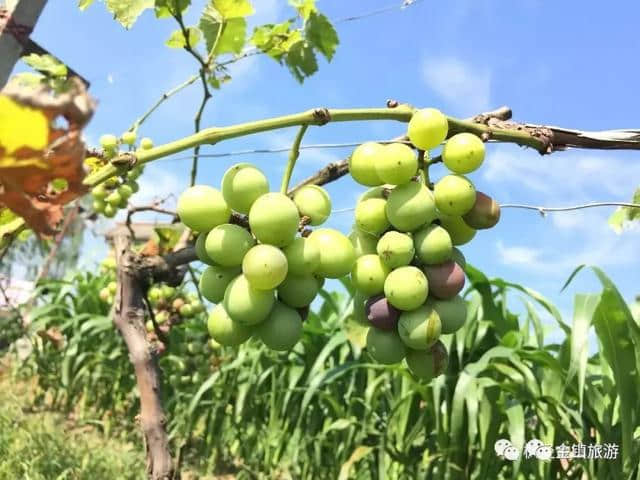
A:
[(178, 40), (46, 64), (232, 37), (84, 4), (304, 7), (126, 12), (623, 215), (301, 61), (270, 38), (321, 35), (233, 8), (167, 8)]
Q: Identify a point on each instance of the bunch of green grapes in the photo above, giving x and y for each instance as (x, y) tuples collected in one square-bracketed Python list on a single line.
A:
[(264, 277), (408, 272), (113, 194), (188, 368)]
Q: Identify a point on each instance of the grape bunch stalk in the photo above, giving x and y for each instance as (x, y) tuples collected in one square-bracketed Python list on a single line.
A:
[(264, 271), (409, 272)]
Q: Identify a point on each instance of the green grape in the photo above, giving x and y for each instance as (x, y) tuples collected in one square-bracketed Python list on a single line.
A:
[(454, 195), (432, 244), (186, 311), (135, 172), (99, 192), (265, 267), (274, 219), (282, 329), (114, 199), (458, 257), (395, 249), (129, 138), (459, 231), (368, 274), (452, 313), (154, 295), (463, 153), (112, 287), (146, 143), (410, 206), (362, 163), (112, 182), (246, 304), (149, 326), (98, 206), (109, 263), (371, 216), (125, 191), (313, 202), (123, 203), (109, 142), (406, 288), (215, 280), (430, 363), (202, 208), (337, 255), (397, 165), (162, 317), (243, 184), (224, 330), (364, 243), (227, 244), (303, 257), (109, 211), (298, 291), (485, 212), (197, 306), (375, 192), (133, 185), (104, 294), (385, 346), (168, 291), (419, 328), (201, 249), (428, 128)]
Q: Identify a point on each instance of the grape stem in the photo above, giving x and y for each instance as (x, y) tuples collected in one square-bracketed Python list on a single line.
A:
[(294, 153)]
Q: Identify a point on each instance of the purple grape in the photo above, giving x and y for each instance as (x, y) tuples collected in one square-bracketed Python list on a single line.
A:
[(445, 280), (381, 313)]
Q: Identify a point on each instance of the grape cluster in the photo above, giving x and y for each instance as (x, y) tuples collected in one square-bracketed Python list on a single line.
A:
[(114, 193), (264, 275), (409, 273)]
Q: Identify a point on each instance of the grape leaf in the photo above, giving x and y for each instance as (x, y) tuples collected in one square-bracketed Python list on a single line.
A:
[(304, 7), (233, 8), (46, 64), (178, 40), (165, 8), (301, 61), (126, 12), (271, 38), (228, 15), (84, 4), (321, 34), (623, 215), (34, 152)]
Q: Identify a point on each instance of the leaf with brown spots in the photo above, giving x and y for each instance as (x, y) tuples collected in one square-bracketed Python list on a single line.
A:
[(37, 154)]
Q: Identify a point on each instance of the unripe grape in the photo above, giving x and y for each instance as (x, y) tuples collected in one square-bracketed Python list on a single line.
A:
[(454, 195), (375, 192), (445, 280), (385, 346), (485, 212), (337, 255), (406, 288), (215, 280), (274, 219), (452, 313), (227, 244), (364, 243), (112, 182), (313, 202), (113, 199), (246, 304), (371, 216), (129, 138), (282, 329), (243, 184), (432, 244), (463, 153), (109, 142), (428, 128), (133, 185), (410, 206), (213, 345), (112, 287), (154, 295), (224, 330), (303, 256), (265, 267), (109, 211), (98, 206), (362, 163), (186, 311), (99, 192), (109, 263), (458, 257), (104, 294), (201, 208), (459, 231), (135, 172), (149, 326), (430, 363), (381, 314), (177, 303), (197, 306), (146, 143), (125, 191), (298, 291), (123, 203), (395, 249), (161, 318), (368, 274), (419, 328), (201, 249), (397, 165)]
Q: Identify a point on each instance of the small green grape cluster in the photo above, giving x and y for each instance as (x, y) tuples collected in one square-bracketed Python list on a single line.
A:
[(409, 273), (264, 277), (187, 367), (114, 193)]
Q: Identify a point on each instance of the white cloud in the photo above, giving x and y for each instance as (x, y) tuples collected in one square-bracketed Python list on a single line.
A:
[(464, 86), (515, 255)]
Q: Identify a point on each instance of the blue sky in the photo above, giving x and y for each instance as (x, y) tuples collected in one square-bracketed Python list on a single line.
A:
[(575, 68)]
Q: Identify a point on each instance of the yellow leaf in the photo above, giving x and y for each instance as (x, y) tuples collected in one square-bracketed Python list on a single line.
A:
[(22, 126)]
